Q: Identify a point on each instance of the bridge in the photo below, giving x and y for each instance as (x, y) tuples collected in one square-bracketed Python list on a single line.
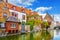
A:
[(57, 27)]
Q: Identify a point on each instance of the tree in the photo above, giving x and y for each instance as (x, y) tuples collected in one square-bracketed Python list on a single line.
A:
[(45, 25), (31, 24)]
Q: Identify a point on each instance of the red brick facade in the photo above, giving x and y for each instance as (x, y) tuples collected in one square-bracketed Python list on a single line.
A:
[(11, 30)]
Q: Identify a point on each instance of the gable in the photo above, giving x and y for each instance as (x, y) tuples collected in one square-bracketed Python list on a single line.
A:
[(48, 17)]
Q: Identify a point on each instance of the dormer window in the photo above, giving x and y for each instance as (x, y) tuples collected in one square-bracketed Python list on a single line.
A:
[(23, 10), (13, 7)]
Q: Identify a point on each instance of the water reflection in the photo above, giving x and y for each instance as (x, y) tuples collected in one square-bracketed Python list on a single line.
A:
[(42, 35), (31, 36), (57, 32), (56, 35)]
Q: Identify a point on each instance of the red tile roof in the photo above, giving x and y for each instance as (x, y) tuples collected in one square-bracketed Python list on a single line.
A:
[(21, 9)]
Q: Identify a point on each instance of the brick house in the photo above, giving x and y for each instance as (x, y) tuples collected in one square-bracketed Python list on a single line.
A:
[(12, 25)]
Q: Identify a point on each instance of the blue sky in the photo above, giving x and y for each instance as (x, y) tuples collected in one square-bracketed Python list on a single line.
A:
[(41, 6)]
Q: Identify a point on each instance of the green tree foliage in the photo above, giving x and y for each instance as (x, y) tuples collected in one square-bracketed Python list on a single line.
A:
[(44, 24), (32, 23)]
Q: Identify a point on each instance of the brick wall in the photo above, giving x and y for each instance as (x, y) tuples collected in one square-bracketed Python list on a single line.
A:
[(8, 26)]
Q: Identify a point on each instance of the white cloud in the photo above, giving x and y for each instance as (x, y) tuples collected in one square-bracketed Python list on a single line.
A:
[(22, 2), (43, 15), (43, 8), (57, 17)]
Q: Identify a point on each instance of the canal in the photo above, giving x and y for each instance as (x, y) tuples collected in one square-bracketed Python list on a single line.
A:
[(42, 35)]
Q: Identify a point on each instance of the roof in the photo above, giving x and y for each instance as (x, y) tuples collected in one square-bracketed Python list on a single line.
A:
[(48, 16), (11, 18), (20, 9), (10, 6)]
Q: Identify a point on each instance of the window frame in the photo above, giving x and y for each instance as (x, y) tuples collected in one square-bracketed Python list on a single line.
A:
[(5, 15), (13, 25), (23, 17), (2, 25)]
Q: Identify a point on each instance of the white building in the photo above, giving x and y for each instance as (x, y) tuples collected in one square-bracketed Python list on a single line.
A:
[(21, 16)]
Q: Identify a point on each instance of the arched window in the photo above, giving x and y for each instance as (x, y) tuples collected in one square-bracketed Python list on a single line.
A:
[(5, 15)]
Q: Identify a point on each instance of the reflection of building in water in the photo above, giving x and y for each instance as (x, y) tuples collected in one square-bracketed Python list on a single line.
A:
[(22, 37), (43, 35), (52, 34), (57, 32), (48, 35)]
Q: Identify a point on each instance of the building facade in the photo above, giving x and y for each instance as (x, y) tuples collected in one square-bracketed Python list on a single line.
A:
[(12, 25), (4, 14), (48, 18)]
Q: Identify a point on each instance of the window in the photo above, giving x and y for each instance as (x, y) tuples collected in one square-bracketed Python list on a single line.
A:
[(1, 25), (4, 8), (13, 7), (13, 25), (5, 15), (32, 17), (22, 10), (12, 13), (23, 17), (15, 15)]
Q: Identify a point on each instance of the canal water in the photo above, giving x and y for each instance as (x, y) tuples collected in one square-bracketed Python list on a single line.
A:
[(42, 35)]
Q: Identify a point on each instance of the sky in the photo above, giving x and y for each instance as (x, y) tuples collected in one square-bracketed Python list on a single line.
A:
[(40, 6)]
